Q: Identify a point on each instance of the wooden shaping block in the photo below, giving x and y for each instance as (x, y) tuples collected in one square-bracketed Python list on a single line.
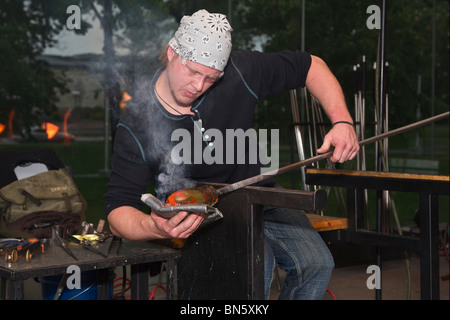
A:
[(325, 223)]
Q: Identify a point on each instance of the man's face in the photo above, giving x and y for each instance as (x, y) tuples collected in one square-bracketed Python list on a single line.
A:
[(188, 80)]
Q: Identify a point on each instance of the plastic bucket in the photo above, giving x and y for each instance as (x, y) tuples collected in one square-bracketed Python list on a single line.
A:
[(88, 290)]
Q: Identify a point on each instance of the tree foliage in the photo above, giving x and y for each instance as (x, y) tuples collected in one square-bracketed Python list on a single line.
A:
[(337, 32), (334, 30), (27, 85)]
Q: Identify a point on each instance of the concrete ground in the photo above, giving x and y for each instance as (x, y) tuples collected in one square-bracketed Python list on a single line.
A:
[(350, 283), (347, 283)]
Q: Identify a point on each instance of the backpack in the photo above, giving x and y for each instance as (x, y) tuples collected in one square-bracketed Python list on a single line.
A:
[(31, 206)]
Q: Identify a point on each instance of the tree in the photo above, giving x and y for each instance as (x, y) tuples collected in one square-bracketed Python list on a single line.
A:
[(337, 32), (27, 85)]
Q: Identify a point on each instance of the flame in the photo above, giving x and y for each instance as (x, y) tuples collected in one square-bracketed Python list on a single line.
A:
[(50, 128), (125, 98), (66, 133), (11, 117), (2, 128)]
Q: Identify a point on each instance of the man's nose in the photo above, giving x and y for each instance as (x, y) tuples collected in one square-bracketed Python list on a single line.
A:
[(199, 83)]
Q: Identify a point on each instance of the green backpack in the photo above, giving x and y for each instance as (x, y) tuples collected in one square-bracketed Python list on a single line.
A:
[(30, 207)]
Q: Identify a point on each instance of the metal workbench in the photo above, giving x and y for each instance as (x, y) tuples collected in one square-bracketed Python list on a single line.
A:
[(55, 261), (427, 187)]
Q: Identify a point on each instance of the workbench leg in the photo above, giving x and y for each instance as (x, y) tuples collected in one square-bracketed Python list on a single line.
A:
[(3, 285), (103, 284), (139, 281), (16, 289), (429, 255), (170, 267)]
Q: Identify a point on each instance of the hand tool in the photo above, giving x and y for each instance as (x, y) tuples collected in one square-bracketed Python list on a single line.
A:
[(87, 244), (35, 248), (169, 211), (63, 244), (19, 250), (61, 286), (209, 196)]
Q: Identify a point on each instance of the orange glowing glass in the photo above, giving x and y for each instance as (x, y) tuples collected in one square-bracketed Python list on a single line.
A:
[(201, 195)]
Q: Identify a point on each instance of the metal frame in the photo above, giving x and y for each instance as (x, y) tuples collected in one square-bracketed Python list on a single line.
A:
[(55, 261), (225, 260), (428, 188)]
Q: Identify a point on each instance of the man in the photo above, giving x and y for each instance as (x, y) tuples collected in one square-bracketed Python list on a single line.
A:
[(201, 86)]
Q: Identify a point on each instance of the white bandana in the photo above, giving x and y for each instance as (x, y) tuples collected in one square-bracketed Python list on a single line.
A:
[(204, 38)]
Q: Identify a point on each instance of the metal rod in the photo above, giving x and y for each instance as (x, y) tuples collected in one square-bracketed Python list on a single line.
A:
[(381, 115), (298, 134), (261, 177)]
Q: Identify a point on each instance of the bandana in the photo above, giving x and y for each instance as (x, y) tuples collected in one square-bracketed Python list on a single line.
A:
[(204, 38)]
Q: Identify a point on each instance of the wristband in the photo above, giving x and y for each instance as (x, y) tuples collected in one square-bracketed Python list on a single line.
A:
[(346, 122)]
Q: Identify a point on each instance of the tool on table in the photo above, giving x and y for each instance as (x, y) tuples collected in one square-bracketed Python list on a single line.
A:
[(63, 244), (204, 197), (8, 246), (35, 248), (115, 241), (87, 244), (20, 248)]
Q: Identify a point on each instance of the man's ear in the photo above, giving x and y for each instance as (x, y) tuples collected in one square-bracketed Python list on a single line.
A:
[(170, 53)]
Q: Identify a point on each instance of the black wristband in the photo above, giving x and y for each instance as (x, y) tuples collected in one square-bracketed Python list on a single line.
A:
[(346, 122)]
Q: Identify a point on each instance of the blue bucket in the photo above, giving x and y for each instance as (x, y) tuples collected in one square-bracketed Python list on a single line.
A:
[(88, 290)]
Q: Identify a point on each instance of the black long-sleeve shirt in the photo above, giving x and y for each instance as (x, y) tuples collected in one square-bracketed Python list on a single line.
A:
[(143, 140)]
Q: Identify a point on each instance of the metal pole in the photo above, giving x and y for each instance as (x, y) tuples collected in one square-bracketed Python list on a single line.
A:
[(306, 162), (433, 73), (381, 126), (298, 135)]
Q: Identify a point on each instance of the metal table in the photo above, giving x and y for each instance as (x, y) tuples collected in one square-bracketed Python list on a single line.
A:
[(55, 261), (428, 188)]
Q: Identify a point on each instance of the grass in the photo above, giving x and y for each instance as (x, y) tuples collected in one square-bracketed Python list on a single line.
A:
[(86, 160)]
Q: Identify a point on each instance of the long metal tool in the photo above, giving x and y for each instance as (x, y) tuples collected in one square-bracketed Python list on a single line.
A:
[(303, 163), (63, 245), (87, 245), (298, 134)]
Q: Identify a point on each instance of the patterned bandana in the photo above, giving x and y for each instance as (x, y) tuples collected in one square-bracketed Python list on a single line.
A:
[(204, 38)]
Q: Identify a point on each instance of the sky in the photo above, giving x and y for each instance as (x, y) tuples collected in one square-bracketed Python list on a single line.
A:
[(70, 43)]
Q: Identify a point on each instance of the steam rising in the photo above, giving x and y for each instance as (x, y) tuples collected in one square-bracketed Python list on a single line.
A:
[(157, 148)]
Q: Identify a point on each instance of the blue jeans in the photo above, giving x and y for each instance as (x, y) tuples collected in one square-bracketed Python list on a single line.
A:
[(298, 249)]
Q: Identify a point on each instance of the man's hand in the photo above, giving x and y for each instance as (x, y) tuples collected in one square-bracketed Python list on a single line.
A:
[(343, 138), (130, 223), (181, 225)]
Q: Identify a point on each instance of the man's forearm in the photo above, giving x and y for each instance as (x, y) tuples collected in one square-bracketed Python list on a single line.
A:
[(323, 85), (131, 223)]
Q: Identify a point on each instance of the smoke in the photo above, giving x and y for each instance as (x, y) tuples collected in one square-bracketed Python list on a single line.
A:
[(154, 131), (170, 176), (173, 177)]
